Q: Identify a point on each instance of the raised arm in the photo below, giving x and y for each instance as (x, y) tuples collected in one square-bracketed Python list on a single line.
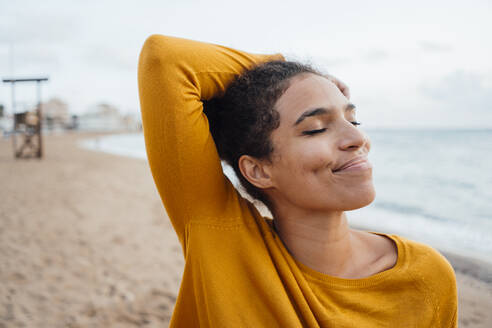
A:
[(174, 76)]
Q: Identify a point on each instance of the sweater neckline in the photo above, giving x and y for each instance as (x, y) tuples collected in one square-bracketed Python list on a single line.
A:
[(374, 279), (333, 281)]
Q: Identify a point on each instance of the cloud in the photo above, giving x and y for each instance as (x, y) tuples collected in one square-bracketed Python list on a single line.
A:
[(431, 46), (376, 55), (330, 63), (461, 95), (37, 56), (459, 87), (111, 58), (33, 22)]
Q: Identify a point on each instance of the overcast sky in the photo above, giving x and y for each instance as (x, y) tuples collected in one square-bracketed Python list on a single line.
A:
[(408, 63)]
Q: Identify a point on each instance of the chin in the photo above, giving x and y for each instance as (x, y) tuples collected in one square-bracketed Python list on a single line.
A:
[(362, 199), (359, 204), (355, 198)]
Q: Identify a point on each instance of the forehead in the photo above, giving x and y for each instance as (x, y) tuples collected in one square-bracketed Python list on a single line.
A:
[(308, 91)]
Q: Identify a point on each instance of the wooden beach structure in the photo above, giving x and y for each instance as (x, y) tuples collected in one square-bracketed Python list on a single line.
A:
[(27, 130)]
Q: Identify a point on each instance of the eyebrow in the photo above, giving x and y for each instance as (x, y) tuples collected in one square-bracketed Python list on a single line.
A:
[(320, 111)]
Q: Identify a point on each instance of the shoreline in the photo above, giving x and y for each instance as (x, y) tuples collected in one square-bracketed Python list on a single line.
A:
[(357, 219), (75, 255)]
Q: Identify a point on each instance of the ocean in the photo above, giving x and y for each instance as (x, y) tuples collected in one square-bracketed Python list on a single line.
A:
[(433, 186)]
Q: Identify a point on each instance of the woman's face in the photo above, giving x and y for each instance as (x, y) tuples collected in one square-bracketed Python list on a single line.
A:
[(317, 136)]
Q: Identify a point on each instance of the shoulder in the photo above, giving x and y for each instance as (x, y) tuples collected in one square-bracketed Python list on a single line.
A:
[(433, 275), (425, 261)]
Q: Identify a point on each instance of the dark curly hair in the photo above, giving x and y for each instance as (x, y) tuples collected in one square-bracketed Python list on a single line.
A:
[(242, 120)]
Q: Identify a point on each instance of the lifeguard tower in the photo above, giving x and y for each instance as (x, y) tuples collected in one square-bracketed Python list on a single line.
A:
[(27, 133)]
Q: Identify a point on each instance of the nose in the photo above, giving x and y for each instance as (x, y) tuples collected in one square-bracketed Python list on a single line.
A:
[(352, 138)]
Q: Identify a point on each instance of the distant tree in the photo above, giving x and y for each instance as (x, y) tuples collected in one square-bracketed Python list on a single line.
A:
[(1, 110)]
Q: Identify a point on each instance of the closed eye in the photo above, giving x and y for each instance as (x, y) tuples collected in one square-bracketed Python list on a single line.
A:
[(311, 132)]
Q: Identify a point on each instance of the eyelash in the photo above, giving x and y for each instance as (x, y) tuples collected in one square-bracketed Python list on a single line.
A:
[(309, 133)]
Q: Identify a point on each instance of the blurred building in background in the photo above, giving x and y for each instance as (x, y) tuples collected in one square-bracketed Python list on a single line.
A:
[(55, 114), (56, 117), (106, 117)]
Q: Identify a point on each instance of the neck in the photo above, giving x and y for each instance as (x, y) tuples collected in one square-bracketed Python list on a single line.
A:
[(321, 241)]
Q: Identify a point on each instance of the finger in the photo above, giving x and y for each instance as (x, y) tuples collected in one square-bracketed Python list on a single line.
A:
[(342, 86), (345, 90)]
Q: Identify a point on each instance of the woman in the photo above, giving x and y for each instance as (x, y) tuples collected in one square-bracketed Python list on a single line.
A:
[(292, 138)]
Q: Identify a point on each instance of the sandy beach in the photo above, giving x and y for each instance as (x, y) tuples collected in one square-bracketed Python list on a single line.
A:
[(85, 242)]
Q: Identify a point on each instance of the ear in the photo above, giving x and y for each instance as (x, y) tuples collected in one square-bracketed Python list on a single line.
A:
[(256, 171)]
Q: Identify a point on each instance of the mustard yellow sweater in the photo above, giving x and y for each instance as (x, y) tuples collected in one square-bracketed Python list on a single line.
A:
[(237, 271)]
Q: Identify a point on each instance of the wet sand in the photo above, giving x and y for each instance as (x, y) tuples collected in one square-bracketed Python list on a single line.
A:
[(85, 242)]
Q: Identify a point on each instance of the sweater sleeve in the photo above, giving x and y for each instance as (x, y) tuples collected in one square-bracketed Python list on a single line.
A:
[(174, 76)]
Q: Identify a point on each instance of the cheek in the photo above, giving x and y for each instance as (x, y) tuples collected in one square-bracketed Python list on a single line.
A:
[(315, 159), (302, 164)]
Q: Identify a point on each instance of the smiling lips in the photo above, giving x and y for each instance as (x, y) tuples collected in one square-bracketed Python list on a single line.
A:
[(356, 164)]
